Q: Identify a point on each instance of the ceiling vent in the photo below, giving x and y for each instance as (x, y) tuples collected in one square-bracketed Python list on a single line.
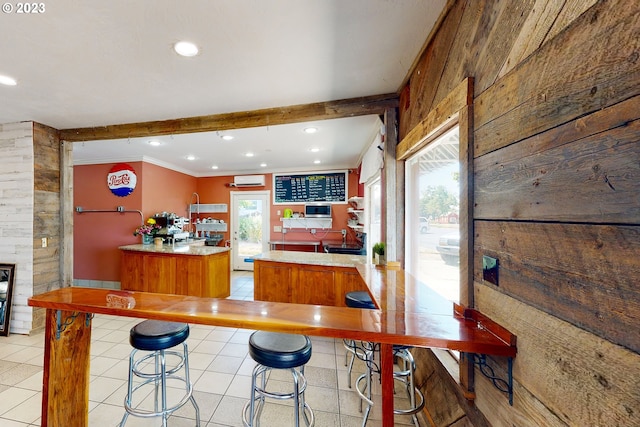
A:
[(248, 181)]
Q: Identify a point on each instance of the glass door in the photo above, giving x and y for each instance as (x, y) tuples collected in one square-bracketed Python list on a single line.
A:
[(249, 227)]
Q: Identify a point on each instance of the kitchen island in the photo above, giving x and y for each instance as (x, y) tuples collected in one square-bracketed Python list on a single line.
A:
[(306, 277), (181, 269)]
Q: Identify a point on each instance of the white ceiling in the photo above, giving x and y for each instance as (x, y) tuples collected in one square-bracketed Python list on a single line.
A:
[(93, 63)]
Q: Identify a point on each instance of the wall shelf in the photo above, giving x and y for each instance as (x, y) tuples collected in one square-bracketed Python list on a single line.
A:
[(307, 223), (212, 226), (209, 208)]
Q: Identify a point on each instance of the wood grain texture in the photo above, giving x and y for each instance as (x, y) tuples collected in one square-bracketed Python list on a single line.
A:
[(533, 32), (593, 179), (417, 101), (564, 375), (542, 93), (205, 276), (376, 104), (304, 284), (46, 214), (437, 120), (68, 360), (586, 275)]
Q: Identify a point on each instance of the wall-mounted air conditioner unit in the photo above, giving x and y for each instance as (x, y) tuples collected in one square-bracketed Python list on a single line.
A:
[(248, 181)]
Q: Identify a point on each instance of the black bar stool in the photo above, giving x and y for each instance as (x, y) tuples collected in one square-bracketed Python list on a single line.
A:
[(366, 352), (359, 349), (156, 337), (278, 351)]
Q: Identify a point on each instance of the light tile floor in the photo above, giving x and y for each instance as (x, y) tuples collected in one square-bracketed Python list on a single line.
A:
[(220, 372)]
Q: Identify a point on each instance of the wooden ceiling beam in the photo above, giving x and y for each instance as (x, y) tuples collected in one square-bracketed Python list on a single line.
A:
[(376, 104)]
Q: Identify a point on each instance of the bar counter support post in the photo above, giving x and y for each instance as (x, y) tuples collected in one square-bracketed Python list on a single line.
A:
[(386, 376), (65, 383)]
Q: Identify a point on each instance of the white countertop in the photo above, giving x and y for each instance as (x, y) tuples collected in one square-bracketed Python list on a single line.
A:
[(182, 249), (312, 258)]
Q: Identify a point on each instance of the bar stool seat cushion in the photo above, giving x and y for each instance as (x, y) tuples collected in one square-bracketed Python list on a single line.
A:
[(279, 351), (359, 299), (153, 335)]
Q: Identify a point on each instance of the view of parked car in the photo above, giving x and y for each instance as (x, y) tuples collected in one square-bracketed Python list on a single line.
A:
[(449, 248), (424, 225)]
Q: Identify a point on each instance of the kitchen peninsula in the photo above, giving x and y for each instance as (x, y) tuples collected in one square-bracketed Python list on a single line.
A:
[(181, 269), (306, 277)]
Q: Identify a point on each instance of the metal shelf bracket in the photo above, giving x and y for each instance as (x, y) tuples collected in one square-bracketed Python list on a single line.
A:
[(505, 386), (62, 325)]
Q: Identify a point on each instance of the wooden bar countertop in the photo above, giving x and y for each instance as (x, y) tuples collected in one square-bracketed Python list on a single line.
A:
[(410, 314)]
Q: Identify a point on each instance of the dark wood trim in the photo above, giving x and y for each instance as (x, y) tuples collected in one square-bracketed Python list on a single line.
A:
[(376, 104)]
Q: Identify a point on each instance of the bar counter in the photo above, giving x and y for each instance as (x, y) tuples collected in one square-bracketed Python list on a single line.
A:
[(409, 313), (180, 268), (312, 258)]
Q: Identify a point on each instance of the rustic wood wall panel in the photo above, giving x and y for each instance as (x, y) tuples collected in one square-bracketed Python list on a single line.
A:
[(557, 199), (584, 274), (46, 208), (594, 179), (422, 90), (499, 26), (569, 373), (545, 91), (533, 32)]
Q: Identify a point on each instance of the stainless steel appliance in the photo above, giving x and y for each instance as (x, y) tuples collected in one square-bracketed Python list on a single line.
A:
[(317, 210)]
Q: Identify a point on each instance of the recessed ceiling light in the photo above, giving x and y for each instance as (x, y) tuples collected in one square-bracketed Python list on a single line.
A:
[(9, 81), (191, 157), (186, 48), (314, 149), (263, 165), (154, 143), (227, 137), (316, 162), (310, 130), (214, 167), (249, 154)]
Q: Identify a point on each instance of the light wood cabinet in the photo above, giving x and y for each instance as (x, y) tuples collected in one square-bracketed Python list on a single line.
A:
[(304, 283), (195, 275)]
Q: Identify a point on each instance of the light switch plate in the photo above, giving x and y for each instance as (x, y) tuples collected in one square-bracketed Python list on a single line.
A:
[(490, 269)]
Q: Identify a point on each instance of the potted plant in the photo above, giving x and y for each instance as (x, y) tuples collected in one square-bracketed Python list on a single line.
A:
[(147, 231), (378, 253)]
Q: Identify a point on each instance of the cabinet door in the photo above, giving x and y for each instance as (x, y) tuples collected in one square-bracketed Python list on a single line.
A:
[(190, 275), (272, 282), (160, 274), (132, 272), (315, 285)]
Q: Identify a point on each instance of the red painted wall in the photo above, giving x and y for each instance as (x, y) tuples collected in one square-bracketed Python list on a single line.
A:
[(98, 235)]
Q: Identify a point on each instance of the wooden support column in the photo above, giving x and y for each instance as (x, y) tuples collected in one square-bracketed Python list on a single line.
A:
[(386, 373), (65, 392), (392, 192)]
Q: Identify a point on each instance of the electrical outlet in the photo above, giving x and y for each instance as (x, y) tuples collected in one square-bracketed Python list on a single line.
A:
[(490, 269), (313, 231), (277, 229), (45, 242)]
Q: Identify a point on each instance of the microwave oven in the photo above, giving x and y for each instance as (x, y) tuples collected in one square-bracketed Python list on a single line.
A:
[(317, 210)]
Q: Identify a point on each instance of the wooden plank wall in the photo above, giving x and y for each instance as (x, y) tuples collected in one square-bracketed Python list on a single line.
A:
[(46, 211), (557, 201)]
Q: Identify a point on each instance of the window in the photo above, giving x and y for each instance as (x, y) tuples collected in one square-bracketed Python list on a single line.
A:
[(373, 210), (432, 214)]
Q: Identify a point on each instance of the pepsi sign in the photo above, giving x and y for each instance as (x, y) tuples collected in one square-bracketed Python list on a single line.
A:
[(122, 180)]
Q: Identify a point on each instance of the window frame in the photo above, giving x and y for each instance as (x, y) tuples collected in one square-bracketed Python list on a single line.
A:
[(457, 106)]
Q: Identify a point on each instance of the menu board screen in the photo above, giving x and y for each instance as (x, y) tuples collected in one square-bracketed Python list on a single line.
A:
[(310, 187)]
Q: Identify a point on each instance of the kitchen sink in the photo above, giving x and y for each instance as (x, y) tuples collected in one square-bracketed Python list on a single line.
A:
[(345, 249)]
